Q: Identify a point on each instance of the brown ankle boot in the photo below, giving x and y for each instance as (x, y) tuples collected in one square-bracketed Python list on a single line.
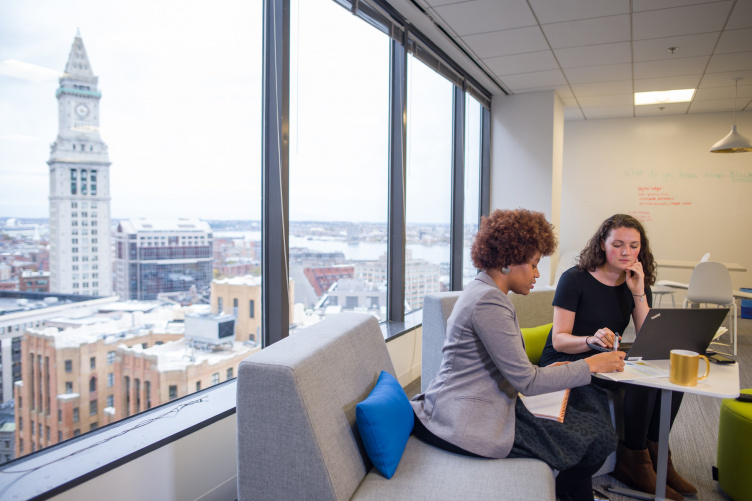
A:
[(676, 481), (635, 469)]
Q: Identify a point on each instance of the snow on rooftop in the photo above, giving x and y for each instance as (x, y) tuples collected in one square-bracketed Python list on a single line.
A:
[(248, 280), (178, 355)]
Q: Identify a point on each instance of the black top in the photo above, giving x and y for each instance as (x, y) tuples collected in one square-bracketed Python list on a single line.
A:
[(596, 305)]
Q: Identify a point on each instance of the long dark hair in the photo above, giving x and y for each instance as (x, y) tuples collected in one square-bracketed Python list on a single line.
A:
[(593, 256)]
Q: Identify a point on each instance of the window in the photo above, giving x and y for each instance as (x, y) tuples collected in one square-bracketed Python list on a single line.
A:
[(110, 357), (472, 184), (252, 308), (173, 392), (215, 378), (92, 385), (358, 207), (110, 380), (110, 400), (76, 432), (75, 414), (220, 305), (92, 408), (69, 366), (69, 387), (429, 163), (93, 363), (59, 415), (198, 385), (229, 373)]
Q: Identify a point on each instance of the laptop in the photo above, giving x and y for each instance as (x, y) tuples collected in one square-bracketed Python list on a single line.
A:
[(666, 329)]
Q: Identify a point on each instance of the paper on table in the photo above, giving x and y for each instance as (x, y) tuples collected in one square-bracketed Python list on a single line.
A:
[(636, 370), (548, 405), (720, 332)]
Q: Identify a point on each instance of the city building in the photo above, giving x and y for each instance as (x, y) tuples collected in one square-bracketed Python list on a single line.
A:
[(23, 310), (241, 298), (85, 372), (154, 256), (34, 281), (80, 256), (354, 294), (7, 433), (323, 277), (421, 277)]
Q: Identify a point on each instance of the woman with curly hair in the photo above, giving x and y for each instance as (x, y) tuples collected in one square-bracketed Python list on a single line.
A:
[(471, 406), (594, 301)]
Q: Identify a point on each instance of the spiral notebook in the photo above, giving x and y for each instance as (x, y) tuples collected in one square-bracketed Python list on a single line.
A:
[(548, 405)]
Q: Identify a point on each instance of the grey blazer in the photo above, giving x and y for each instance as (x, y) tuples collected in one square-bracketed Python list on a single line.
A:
[(470, 403)]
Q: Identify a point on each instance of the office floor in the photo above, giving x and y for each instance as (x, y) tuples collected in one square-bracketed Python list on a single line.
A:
[(694, 437)]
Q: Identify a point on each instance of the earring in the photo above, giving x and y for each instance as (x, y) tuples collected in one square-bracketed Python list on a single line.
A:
[(506, 270)]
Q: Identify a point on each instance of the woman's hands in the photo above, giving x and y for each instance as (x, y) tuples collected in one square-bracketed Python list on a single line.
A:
[(607, 362), (604, 337)]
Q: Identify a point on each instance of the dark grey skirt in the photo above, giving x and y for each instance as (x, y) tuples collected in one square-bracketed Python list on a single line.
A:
[(585, 438)]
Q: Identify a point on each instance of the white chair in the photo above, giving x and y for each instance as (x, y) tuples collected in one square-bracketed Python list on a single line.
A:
[(660, 290), (710, 283)]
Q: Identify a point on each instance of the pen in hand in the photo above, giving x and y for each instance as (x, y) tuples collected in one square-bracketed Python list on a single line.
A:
[(616, 341)]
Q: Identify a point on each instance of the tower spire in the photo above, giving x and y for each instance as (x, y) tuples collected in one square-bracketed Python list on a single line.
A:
[(78, 66)]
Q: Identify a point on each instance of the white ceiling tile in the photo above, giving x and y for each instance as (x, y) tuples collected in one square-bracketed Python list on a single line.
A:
[(602, 88), (564, 91), (730, 62), (592, 55), (655, 109), (526, 82), (725, 79), (689, 20), (686, 46), (741, 17), (569, 102), (573, 114), (667, 83), (609, 112), (588, 31), (616, 100), (522, 63), (735, 41), (671, 67), (437, 3), (709, 105), (482, 16), (602, 73), (640, 5), (711, 93), (507, 42), (571, 10)]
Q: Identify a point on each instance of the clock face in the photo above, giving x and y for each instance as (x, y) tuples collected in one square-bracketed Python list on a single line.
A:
[(82, 110)]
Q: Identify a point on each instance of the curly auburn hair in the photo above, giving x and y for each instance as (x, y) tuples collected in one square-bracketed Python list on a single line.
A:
[(509, 237), (593, 256)]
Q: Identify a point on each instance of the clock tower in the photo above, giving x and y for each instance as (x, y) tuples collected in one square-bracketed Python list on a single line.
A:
[(80, 256)]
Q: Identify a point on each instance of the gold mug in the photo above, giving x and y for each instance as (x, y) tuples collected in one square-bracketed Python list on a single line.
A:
[(683, 366)]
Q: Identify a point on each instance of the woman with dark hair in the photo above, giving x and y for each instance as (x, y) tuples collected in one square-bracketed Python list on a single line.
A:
[(471, 406), (594, 301)]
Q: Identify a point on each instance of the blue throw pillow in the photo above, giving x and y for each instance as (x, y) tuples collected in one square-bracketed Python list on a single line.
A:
[(385, 421)]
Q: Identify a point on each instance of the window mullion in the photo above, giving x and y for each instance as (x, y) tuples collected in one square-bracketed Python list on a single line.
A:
[(485, 163), (275, 318), (457, 218), (397, 164)]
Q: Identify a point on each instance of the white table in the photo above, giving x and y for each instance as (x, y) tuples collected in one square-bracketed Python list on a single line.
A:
[(722, 382), (690, 265)]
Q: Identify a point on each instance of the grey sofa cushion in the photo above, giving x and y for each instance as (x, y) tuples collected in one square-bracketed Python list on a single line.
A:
[(297, 436), (426, 472), (436, 310)]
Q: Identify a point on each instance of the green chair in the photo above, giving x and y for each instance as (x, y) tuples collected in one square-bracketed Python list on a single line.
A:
[(735, 448)]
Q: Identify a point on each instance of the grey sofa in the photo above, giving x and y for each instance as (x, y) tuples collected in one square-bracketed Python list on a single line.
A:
[(298, 439)]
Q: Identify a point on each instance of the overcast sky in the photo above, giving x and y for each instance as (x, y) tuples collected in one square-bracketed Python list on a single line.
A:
[(181, 110)]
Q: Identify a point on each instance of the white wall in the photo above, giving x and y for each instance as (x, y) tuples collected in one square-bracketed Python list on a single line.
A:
[(660, 170), (526, 138)]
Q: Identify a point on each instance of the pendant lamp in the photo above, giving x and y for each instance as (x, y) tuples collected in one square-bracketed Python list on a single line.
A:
[(733, 142)]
